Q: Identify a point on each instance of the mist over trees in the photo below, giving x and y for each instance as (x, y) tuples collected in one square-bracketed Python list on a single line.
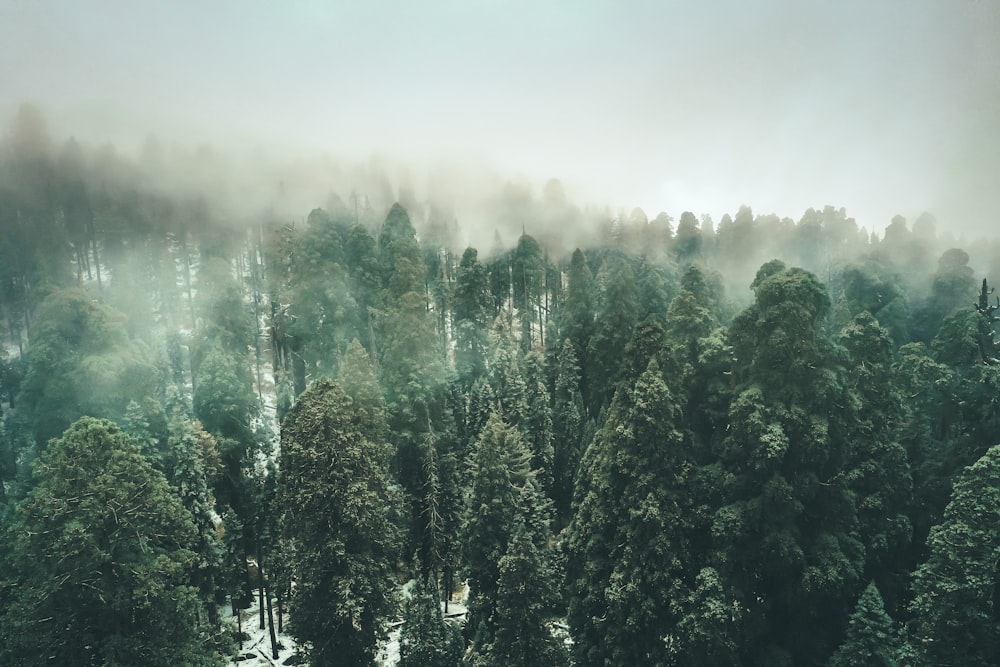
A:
[(636, 439)]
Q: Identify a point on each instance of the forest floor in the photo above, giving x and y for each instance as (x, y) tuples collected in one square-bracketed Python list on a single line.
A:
[(256, 650)]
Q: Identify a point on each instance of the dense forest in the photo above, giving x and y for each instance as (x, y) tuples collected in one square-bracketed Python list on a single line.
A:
[(637, 441)]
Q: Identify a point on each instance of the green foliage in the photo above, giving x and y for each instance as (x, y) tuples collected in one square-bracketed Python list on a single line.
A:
[(223, 398), (688, 242), (224, 317), (333, 492), (527, 277), (879, 474), (954, 615), (872, 640), (816, 482), (706, 627), (537, 424), (81, 362), (568, 416), (871, 286), (471, 307), (323, 315), (358, 381), (500, 465), (397, 241), (614, 323), (519, 623), (101, 560), (952, 286), (426, 638), (577, 314), (628, 542)]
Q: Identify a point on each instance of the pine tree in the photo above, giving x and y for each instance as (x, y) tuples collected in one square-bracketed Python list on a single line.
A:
[(613, 326), (576, 318), (793, 528), (188, 457), (519, 623), (363, 268), (412, 370), (426, 638), (880, 472), (567, 427), (954, 614), (101, 561), (471, 312), (537, 425), (333, 491), (527, 278), (871, 640), (628, 541), (499, 467), (322, 315)]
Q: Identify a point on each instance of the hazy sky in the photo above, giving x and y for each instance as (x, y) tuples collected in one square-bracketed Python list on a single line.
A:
[(879, 106)]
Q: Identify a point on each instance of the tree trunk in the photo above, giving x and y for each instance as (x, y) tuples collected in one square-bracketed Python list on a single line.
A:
[(270, 622), (260, 583), (239, 620), (280, 609)]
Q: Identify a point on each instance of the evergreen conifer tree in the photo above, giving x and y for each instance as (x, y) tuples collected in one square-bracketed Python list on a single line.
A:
[(101, 558), (333, 492), (871, 640), (628, 541), (954, 613), (426, 638)]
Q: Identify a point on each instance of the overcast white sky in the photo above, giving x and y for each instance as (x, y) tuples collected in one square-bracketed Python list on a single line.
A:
[(879, 106)]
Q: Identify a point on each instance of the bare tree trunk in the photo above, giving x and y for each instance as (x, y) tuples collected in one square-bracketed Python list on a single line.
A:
[(270, 622), (97, 259), (239, 620), (260, 583), (281, 609)]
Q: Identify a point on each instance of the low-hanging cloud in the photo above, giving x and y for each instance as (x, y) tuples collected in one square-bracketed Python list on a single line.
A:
[(883, 108)]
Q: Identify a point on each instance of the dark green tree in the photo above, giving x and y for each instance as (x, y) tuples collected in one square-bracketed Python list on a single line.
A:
[(500, 277), (426, 638), (614, 323), (333, 492), (628, 542), (687, 245), (471, 310), (954, 615), (568, 417), (81, 362), (872, 639), (576, 317), (101, 555), (873, 286), (879, 471), (537, 424), (412, 369), (189, 460), (528, 283), (500, 465), (363, 268), (519, 626), (788, 530)]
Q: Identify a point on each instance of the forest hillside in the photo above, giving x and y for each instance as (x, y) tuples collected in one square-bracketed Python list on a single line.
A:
[(634, 438)]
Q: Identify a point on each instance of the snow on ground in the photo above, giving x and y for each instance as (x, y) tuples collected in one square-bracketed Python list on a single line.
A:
[(257, 649), (457, 611)]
